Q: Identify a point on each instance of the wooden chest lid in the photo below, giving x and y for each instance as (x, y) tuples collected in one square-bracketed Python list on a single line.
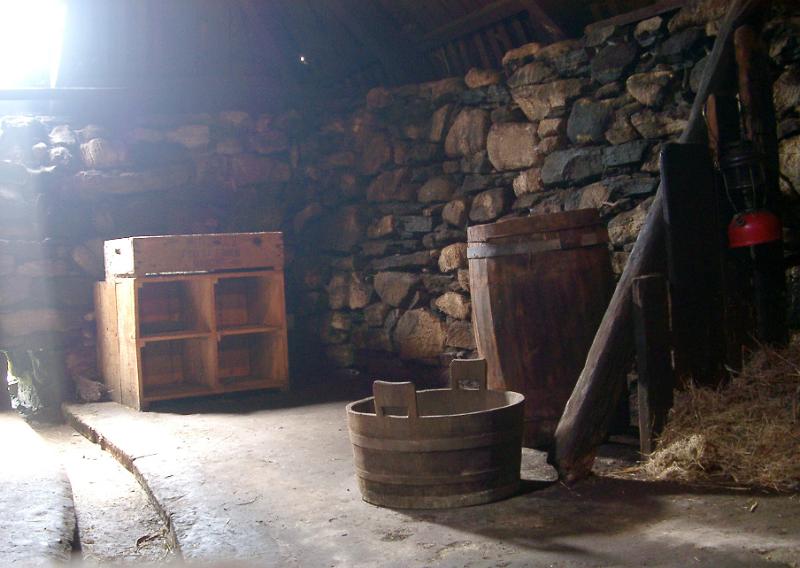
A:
[(169, 254), (534, 224)]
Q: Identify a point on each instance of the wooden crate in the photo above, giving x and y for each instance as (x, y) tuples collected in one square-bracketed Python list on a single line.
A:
[(175, 336), (174, 254)]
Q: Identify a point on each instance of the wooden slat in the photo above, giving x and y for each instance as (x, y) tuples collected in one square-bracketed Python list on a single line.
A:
[(656, 379), (482, 52), (694, 251), (760, 128), (105, 301), (486, 16), (140, 256), (130, 370), (543, 23), (661, 7)]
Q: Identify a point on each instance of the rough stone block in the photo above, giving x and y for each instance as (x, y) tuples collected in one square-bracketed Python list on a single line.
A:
[(512, 146), (572, 166), (468, 133), (62, 135), (439, 122), (453, 257), (624, 154), (391, 186), (192, 136), (488, 205), (376, 152), (454, 305), (420, 335), (456, 212), (417, 224), (625, 227), (533, 73), (394, 288), (436, 190), (786, 90), (647, 31), (477, 78), (651, 124), (460, 335), (587, 121), (613, 61), (375, 314), (383, 227), (252, 169), (621, 130), (414, 260), (552, 127), (538, 101), (649, 88), (100, 153), (529, 181)]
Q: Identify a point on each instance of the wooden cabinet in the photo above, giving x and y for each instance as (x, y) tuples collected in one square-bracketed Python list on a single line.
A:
[(179, 335)]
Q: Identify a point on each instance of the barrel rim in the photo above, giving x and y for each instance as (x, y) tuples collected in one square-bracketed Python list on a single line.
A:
[(517, 399), (542, 223)]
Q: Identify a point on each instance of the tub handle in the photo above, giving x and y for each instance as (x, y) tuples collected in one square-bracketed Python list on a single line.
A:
[(395, 399), (472, 370)]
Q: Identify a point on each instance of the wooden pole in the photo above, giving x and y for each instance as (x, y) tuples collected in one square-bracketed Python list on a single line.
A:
[(653, 356), (583, 424), (760, 128)]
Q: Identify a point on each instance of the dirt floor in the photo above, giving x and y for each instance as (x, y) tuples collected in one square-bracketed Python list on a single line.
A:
[(117, 524), (268, 479)]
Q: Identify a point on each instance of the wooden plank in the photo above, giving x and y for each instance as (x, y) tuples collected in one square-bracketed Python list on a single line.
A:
[(583, 424), (657, 9), (482, 51), (491, 13), (105, 303), (694, 238), (543, 23), (130, 370), (370, 25), (760, 128), (140, 256), (722, 113), (656, 379)]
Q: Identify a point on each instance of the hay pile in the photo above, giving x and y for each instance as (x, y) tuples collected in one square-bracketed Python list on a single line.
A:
[(746, 433)]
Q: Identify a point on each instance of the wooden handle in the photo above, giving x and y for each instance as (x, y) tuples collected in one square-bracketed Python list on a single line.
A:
[(395, 399), (468, 370)]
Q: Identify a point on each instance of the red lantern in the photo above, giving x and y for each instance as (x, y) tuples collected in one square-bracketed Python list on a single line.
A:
[(745, 184), (754, 228)]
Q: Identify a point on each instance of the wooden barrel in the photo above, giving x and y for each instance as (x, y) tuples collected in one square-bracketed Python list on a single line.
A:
[(437, 448), (539, 287)]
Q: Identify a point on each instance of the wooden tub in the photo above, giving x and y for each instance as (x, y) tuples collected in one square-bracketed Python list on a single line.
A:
[(437, 448)]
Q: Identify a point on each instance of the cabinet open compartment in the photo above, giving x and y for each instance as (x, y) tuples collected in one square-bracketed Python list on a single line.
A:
[(171, 306), (251, 359), (249, 301), (176, 368)]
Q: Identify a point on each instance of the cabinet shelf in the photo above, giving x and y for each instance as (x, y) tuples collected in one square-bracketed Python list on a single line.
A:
[(248, 329), (173, 336), (245, 358)]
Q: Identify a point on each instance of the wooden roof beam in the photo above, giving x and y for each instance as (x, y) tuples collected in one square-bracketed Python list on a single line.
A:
[(491, 14), (542, 22)]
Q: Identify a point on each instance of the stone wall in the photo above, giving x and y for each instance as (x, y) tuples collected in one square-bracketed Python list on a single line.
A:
[(393, 184), (374, 196), (67, 186)]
